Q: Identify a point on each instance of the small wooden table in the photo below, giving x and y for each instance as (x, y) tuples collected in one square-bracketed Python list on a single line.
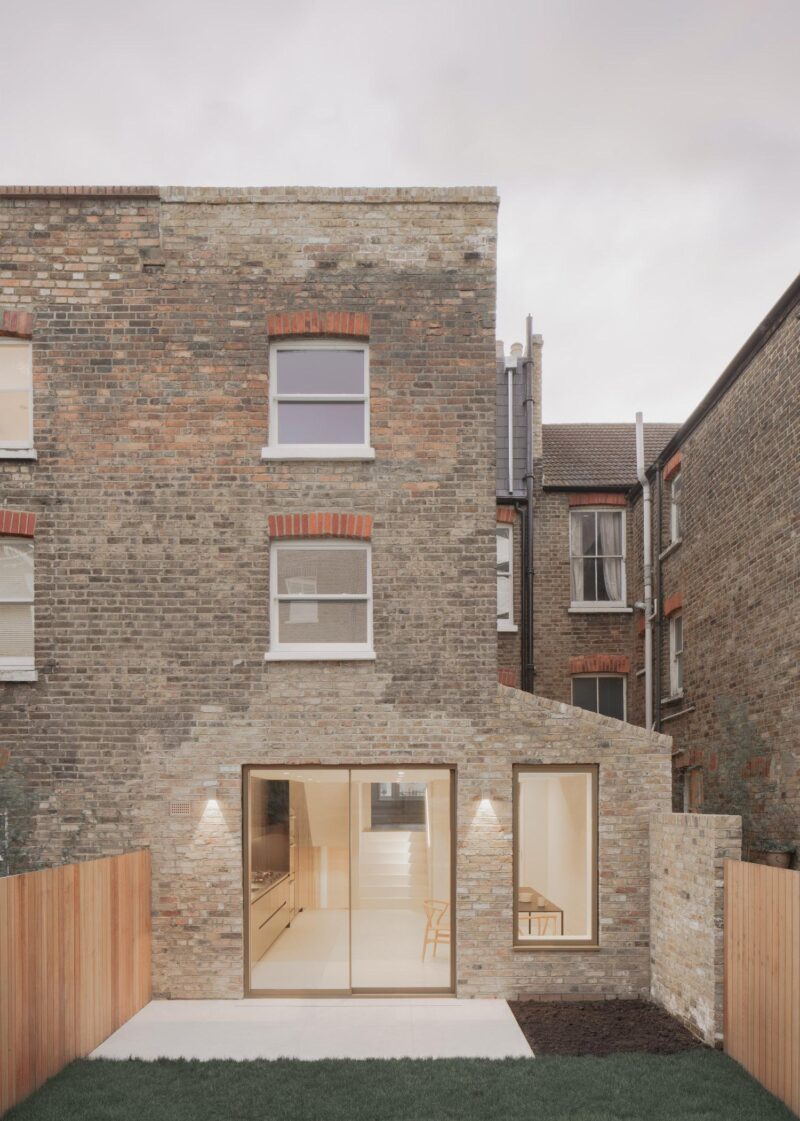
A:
[(538, 905)]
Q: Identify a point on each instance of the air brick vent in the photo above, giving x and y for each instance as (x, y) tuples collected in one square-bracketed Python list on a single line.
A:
[(180, 809)]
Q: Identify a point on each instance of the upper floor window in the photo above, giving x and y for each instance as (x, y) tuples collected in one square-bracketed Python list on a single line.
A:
[(505, 578), (16, 395), (603, 693), (320, 600), (16, 604), (676, 655), (319, 401), (597, 558), (676, 511)]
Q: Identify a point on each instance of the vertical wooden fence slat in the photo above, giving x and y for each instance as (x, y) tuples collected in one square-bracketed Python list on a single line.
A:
[(762, 975), (74, 964)]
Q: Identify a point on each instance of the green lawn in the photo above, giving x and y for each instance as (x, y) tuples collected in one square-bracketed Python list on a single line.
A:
[(691, 1086)]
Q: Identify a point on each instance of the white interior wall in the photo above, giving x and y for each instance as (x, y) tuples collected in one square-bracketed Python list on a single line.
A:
[(554, 850)]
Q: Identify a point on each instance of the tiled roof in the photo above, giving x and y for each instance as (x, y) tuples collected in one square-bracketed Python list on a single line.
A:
[(598, 455)]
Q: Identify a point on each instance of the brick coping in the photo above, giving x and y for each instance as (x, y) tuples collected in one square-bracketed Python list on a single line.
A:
[(275, 195)]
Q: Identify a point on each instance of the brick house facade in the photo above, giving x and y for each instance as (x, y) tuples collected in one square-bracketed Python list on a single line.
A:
[(154, 499)]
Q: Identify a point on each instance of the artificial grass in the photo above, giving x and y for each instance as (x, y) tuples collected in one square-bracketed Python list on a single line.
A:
[(693, 1086)]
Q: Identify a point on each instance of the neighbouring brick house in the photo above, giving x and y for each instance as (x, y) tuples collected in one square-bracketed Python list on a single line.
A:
[(247, 459), (726, 548), (726, 500), (584, 595), (579, 648)]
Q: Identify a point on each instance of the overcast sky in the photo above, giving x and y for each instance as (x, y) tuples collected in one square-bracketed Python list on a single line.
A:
[(647, 153)]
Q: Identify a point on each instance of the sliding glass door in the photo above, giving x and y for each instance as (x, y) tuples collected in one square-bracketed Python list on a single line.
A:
[(348, 879)]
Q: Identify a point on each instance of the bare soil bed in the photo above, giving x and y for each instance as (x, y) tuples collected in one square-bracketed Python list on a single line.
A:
[(600, 1027)]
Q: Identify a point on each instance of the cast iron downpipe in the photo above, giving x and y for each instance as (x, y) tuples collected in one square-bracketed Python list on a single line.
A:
[(648, 573), (528, 670), (659, 592)]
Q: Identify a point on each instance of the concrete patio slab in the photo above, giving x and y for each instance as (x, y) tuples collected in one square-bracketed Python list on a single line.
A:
[(356, 1028)]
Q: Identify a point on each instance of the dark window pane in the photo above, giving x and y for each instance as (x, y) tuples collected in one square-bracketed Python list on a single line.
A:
[(611, 690), (589, 534), (320, 371), (584, 693), (602, 587), (321, 423), (589, 580)]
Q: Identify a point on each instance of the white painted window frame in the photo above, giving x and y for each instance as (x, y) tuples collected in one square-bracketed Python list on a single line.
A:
[(596, 676), (21, 449), (508, 625), (675, 657), (20, 669), (600, 605), (274, 450), (321, 651), (675, 510)]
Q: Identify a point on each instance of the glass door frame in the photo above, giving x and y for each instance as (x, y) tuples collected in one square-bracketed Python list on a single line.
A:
[(349, 767)]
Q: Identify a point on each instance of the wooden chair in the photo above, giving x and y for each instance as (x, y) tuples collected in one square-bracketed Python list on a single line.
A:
[(538, 924), (436, 934), (542, 922)]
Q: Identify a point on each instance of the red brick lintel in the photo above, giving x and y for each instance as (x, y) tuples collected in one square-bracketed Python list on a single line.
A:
[(355, 526), (506, 514), (598, 498), (330, 324), (673, 603), (672, 467), (15, 324), (17, 523), (600, 663)]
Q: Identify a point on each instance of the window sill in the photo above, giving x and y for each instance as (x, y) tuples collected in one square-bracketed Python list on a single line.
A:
[(583, 609), (320, 654), (673, 698), (319, 451), (674, 715), (18, 453), (673, 545), (19, 675), (549, 946), (507, 628)]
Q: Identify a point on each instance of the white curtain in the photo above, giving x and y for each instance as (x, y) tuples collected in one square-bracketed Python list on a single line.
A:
[(610, 533), (576, 549)]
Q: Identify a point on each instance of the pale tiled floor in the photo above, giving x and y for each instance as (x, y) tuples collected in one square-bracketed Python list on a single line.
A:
[(387, 953), (351, 1028)]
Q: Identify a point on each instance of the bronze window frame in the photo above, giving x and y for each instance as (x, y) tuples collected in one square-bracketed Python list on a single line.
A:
[(351, 991), (550, 944)]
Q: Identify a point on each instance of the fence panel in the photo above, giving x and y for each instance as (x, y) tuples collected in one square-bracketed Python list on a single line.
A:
[(74, 964), (762, 975)]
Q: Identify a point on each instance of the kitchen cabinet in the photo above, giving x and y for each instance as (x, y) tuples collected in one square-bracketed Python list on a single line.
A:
[(270, 913)]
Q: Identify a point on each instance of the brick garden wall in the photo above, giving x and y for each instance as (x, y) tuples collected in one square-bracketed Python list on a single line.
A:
[(687, 854)]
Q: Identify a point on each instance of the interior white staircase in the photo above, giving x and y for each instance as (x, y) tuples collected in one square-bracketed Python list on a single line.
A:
[(392, 868)]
